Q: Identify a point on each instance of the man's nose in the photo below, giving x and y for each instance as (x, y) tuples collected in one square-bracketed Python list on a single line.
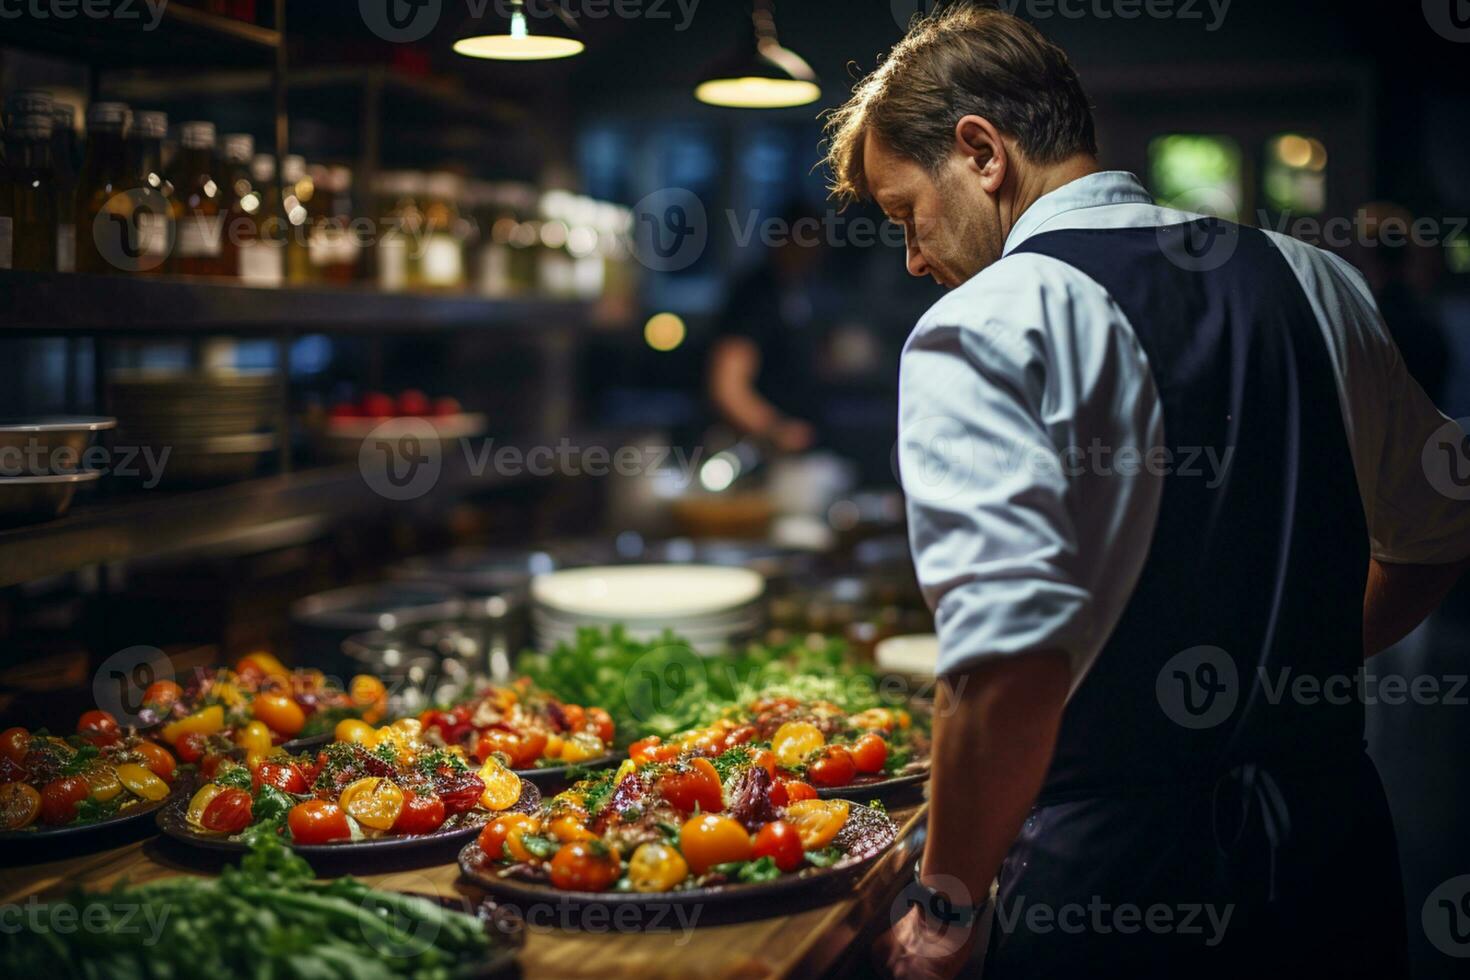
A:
[(917, 266)]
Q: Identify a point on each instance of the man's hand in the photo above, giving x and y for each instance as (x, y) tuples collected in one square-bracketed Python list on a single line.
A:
[(915, 949)]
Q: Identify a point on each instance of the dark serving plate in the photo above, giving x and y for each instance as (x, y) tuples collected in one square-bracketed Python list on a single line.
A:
[(96, 836), (172, 823), (557, 775), (877, 789), (309, 742), (867, 835)]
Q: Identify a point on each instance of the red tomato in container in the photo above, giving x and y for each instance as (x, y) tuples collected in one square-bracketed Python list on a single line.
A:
[(869, 752), (376, 405), (60, 798), (14, 744), (796, 791), (698, 786), (157, 758), (228, 813), (98, 727), (835, 767), (778, 841), (584, 866), (190, 747), (317, 822), (601, 723), (411, 401), (421, 814), (284, 776), (460, 790)]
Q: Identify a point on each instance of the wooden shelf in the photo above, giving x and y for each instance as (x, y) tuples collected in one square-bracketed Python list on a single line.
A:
[(182, 36), (62, 303)]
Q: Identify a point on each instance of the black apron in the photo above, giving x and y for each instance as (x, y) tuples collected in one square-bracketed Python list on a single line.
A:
[(1206, 812)]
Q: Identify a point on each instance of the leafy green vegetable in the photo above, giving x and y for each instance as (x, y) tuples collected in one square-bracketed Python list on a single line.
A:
[(826, 857), (80, 761), (761, 869), (539, 846), (233, 777)]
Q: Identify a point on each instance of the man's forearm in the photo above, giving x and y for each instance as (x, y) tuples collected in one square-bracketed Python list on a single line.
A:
[(1398, 598), (994, 731)]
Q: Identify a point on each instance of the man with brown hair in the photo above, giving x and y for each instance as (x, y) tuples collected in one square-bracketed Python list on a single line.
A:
[(1168, 485)]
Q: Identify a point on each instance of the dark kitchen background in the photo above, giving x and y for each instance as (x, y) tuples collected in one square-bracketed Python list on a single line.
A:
[(530, 309)]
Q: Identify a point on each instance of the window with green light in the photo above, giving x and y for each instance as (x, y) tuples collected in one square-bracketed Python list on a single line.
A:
[(1195, 172), (1294, 174)]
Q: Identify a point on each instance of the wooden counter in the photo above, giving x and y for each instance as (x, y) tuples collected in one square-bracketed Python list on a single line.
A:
[(804, 943)]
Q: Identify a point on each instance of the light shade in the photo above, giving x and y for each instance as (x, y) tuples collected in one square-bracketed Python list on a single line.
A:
[(517, 43), (756, 92), (767, 76)]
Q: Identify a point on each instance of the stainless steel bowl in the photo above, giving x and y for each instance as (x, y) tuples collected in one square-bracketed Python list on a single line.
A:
[(47, 443), (31, 499)]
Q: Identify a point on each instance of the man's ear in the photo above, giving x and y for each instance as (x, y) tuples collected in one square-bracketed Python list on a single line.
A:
[(984, 151)]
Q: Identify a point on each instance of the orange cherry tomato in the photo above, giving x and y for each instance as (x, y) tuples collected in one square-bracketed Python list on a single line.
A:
[(645, 749), (766, 759), (157, 758), (869, 752), (794, 741), (796, 791), (20, 804), (816, 822), (501, 838), (585, 866), (574, 715), (711, 839), (317, 822), (280, 713), (369, 696), (601, 723), (502, 787), (834, 767), (14, 744), (162, 693), (373, 802), (779, 841), (696, 786)]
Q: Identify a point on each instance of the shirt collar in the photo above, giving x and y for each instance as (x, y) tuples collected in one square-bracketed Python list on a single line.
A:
[(1094, 190)]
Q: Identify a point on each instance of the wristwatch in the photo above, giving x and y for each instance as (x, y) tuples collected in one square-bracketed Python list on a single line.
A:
[(938, 906)]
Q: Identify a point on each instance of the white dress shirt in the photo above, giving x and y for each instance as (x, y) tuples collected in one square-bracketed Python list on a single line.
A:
[(1032, 447)]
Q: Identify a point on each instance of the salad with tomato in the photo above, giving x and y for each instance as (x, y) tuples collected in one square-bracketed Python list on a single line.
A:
[(526, 728), (259, 704), (689, 822), (812, 741), (399, 787), (97, 774)]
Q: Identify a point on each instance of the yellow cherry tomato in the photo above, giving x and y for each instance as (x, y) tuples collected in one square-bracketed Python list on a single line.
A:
[(502, 787), (254, 737), (206, 721), (411, 727), (396, 737), (200, 801), (794, 741), (355, 730), (581, 747), (816, 822), (656, 867), (19, 805), (265, 662), (554, 744), (279, 712), (873, 720), (567, 827), (369, 696), (142, 782), (373, 802), (102, 782)]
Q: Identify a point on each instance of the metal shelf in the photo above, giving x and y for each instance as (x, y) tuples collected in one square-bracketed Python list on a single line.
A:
[(67, 303)]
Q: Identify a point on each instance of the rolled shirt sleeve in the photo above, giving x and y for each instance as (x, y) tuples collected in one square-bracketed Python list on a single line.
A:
[(1004, 386)]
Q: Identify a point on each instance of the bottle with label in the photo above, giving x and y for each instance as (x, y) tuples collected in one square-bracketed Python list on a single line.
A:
[(342, 251), (107, 236), (33, 228), (397, 256), (238, 199), (198, 205), (64, 162), (149, 189), (297, 193), (261, 224), (442, 265)]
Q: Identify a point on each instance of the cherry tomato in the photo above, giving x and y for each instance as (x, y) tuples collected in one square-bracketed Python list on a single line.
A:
[(459, 789), (162, 694), (98, 727), (794, 741), (254, 737), (190, 748), (711, 839), (157, 758), (317, 822), (142, 782), (816, 822), (502, 787), (656, 867), (368, 695), (280, 713), (60, 797), (568, 827), (199, 802), (209, 765), (698, 786), (874, 719), (227, 813), (585, 866), (284, 776), (501, 838), (645, 749), (796, 791), (205, 721), (355, 730), (601, 723), (263, 663), (779, 841), (766, 759), (870, 752), (421, 814), (373, 802), (14, 744), (102, 782), (835, 767), (777, 794), (20, 804), (575, 716), (522, 750), (582, 746), (740, 736)]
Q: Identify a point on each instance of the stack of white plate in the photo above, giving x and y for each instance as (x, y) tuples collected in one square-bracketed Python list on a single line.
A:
[(710, 606)]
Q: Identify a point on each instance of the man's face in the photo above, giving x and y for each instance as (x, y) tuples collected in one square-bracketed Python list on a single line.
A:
[(951, 225)]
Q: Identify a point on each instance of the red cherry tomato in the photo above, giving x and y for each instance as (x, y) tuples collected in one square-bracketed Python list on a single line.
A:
[(228, 813), (14, 744), (376, 405), (284, 776), (796, 791), (460, 790), (834, 768), (411, 401), (98, 727), (870, 752), (778, 841), (317, 822), (210, 764), (697, 786), (447, 406), (584, 866), (777, 794), (60, 797), (421, 814), (601, 723), (190, 747), (344, 410), (157, 758), (644, 749)]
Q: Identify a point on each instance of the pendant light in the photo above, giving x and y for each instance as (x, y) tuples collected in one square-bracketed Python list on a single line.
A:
[(767, 77), (515, 42)]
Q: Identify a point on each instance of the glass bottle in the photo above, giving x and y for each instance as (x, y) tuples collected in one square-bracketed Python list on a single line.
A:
[(442, 265), (102, 211), (28, 152), (198, 205), (334, 249), (297, 191), (238, 199), (262, 227), (64, 163), (402, 228), (151, 189)]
